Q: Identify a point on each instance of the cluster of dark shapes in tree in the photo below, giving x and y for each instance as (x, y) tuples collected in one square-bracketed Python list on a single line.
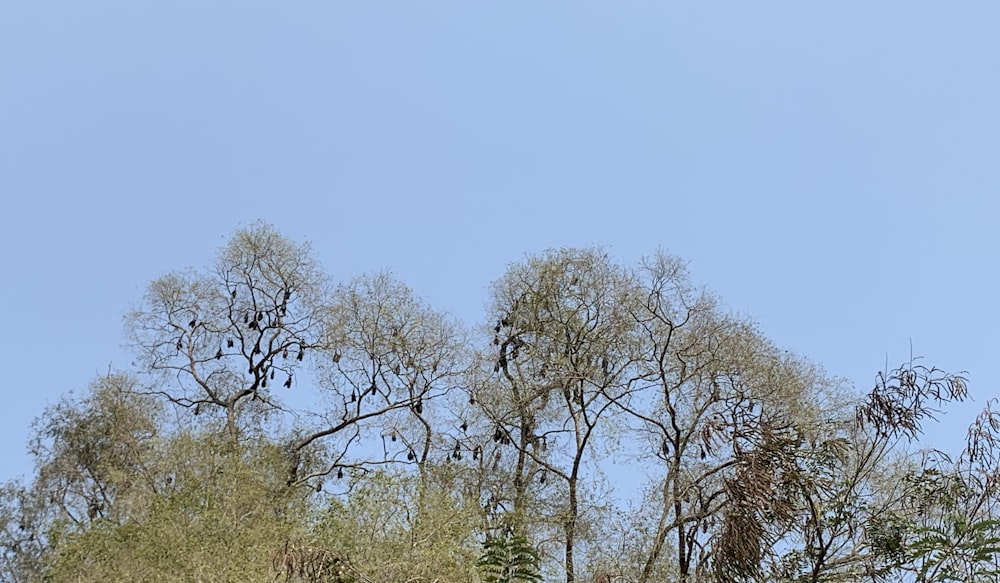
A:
[(500, 436), (511, 347)]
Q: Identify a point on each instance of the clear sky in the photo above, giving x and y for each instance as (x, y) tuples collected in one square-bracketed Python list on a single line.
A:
[(829, 168)]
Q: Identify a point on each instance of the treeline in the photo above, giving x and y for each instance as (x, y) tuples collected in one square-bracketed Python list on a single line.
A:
[(277, 425)]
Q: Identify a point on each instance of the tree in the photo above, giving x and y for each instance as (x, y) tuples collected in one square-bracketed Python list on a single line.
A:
[(389, 364), (23, 547), (218, 515), (224, 339), (92, 454), (561, 344), (947, 527), (119, 495), (842, 502), (715, 404)]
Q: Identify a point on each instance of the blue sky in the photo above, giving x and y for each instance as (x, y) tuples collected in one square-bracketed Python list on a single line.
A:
[(830, 169)]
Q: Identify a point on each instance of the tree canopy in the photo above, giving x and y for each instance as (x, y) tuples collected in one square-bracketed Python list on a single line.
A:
[(603, 422)]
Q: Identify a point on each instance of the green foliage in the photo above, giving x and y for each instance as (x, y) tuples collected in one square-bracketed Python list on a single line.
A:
[(509, 559), (957, 551), (212, 513), (395, 528)]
